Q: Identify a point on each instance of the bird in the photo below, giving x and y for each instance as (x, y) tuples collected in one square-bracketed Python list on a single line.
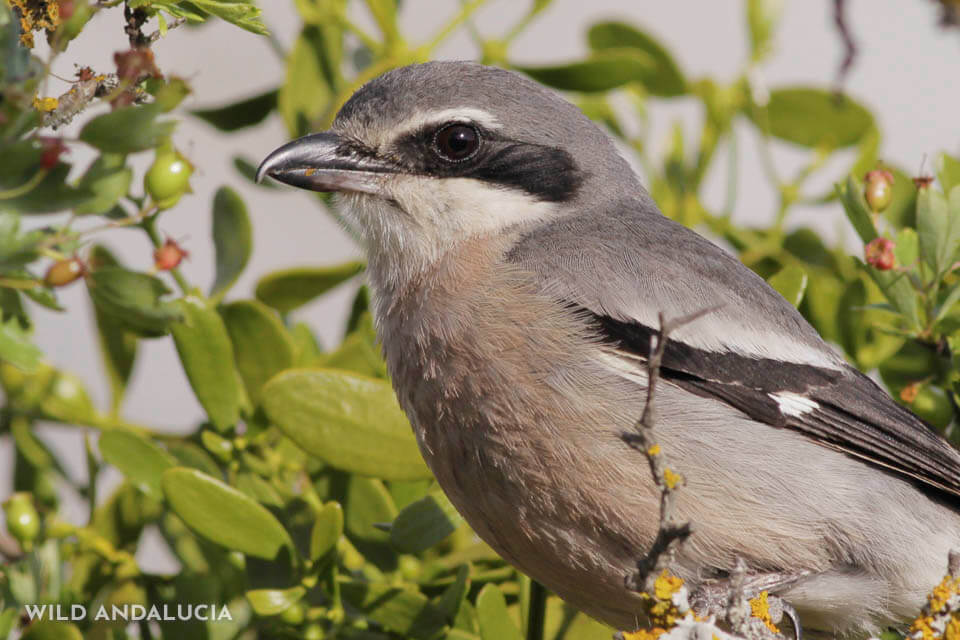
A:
[(518, 270)]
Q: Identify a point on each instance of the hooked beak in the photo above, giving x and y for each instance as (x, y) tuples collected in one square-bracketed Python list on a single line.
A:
[(322, 162)]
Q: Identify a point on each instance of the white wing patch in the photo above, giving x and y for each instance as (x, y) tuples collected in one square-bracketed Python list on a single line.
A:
[(794, 404)]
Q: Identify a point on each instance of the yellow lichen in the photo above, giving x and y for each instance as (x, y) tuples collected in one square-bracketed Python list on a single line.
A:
[(654, 450), (45, 105), (644, 634), (35, 15), (666, 585), (953, 628), (937, 606), (760, 609), (671, 478)]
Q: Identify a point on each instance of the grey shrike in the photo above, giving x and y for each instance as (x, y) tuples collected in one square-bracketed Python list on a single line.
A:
[(517, 270)]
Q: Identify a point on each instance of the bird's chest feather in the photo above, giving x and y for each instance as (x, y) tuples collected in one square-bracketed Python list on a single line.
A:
[(493, 378)]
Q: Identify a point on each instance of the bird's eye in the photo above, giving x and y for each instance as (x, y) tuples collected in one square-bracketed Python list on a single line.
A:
[(457, 142)]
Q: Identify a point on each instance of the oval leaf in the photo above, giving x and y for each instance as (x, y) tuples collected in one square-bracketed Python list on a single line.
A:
[(402, 611), (327, 530), (51, 630), (133, 299), (424, 523), (270, 602), (350, 421), (291, 288), (206, 354), (139, 459), (127, 130), (495, 621), (223, 515), (232, 239), (664, 78), (791, 283), (262, 347), (369, 507), (814, 118), (238, 115), (602, 71)]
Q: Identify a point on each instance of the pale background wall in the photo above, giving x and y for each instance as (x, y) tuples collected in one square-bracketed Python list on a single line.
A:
[(906, 71)]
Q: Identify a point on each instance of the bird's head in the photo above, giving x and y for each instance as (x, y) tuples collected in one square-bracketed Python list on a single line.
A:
[(429, 155)]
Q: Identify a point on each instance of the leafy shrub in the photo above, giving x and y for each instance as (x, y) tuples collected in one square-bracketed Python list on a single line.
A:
[(301, 502)]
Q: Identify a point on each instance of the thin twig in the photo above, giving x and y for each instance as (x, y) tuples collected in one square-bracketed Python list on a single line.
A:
[(671, 532), (850, 47)]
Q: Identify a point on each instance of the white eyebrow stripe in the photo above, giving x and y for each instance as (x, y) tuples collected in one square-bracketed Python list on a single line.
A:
[(463, 114)]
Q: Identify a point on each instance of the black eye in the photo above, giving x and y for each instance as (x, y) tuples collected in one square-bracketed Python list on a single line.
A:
[(456, 142)]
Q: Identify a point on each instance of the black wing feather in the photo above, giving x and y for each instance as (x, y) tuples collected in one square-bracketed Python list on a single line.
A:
[(852, 414)]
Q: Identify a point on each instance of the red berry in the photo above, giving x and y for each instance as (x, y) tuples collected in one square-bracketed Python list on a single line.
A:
[(879, 254), (63, 272), (66, 9), (52, 149), (878, 189), (169, 255)]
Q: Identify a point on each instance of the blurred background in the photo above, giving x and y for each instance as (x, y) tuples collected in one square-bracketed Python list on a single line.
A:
[(905, 71)]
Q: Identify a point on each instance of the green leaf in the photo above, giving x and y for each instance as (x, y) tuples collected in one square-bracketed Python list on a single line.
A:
[(851, 195), (190, 455), (232, 239), (140, 460), (270, 602), (133, 299), (495, 622), (938, 227), (424, 523), (791, 283), (127, 130), (108, 179), (907, 249), (206, 354), (815, 118), (901, 212), (223, 515), (7, 620), (402, 611), (948, 303), (51, 630), (327, 529), (602, 71), (664, 78), (289, 289), (385, 13), (306, 92), (455, 595), (262, 347), (948, 172), (239, 115), (117, 345), (16, 347), (762, 18), (369, 506), (352, 422), (242, 13)]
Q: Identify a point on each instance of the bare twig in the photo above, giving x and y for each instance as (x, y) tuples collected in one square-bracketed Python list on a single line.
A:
[(850, 47), (671, 532)]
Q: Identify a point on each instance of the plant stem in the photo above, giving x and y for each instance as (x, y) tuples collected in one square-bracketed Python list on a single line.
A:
[(537, 611)]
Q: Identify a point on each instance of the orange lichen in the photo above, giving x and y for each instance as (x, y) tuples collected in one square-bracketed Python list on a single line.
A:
[(760, 609), (654, 450), (45, 105)]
